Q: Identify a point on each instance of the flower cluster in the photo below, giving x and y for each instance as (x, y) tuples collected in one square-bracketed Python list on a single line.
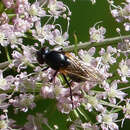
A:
[(122, 14), (24, 28)]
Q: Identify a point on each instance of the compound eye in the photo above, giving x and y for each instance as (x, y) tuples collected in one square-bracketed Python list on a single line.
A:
[(39, 57)]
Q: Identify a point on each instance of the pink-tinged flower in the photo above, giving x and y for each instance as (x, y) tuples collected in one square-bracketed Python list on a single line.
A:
[(36, 10), (127, 26), (5, 29), (17, 62), (112, 92), (93, 102), (64, 105), (85, 126), (43, 33), (107, 56), (4, 18), (56, 8), (128, 1), (47, 91), (21, 7), (23, 82), (97, 35), (8, 3), (63, 96), (89, 126), (124, 70), (21, 25), (115, 13), (29, 53), (87, 56), (35, 122), (107, 121), (54, 89), (9, 36), (5, 83), (5, 122), (22, 60), (23, 102), (122, 14), (44, 76), (3, 39), (60, 39), (124, 46)]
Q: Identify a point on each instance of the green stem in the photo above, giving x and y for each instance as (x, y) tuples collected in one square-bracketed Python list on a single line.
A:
[(83, 114), (107, 41), (7, 54), (76, 113), (75, 45), (11, 15), (4, 64)]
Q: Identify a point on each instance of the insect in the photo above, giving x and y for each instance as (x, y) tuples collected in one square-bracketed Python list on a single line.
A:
[(68, 65)]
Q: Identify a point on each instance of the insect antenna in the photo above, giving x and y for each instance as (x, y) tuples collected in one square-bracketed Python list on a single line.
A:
[(70, 89)]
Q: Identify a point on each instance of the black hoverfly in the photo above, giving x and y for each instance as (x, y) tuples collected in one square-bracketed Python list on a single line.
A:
[(68, 65)]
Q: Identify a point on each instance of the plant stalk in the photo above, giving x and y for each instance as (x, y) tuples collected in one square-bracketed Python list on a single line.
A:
[(87, 45)]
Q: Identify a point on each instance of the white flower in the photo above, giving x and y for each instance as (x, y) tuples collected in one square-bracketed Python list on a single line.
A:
[(97, 35), (87, 56), (124, 70), (5, 83), (114, 93), (107, 121), (92, 101), (107, 56)]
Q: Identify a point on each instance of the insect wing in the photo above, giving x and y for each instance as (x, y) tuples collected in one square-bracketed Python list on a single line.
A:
[(78, 71)]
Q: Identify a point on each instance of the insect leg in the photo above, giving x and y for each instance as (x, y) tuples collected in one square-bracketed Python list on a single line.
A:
[(70, 89), (45, 68), (53, 76)]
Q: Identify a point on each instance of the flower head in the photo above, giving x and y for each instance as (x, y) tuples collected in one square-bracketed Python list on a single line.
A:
[(108, 121), (5, 83), (112, 92), (97, 35), (124, 70)]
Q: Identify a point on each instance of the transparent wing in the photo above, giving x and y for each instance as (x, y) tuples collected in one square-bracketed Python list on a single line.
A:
[(78, 71)]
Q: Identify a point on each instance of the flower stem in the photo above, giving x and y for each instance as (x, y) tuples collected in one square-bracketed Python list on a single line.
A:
[(84, 45), (7, 54), (4, 64)]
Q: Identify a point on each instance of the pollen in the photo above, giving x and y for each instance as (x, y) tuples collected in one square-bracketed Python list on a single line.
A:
[(93, 101), (107, 118), (112, 93)]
